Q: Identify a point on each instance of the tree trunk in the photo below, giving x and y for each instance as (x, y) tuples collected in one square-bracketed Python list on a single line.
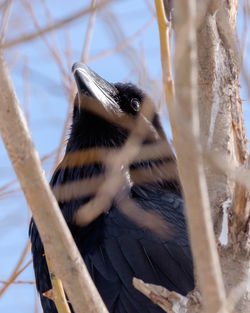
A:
[(223, 138), (223, 132)]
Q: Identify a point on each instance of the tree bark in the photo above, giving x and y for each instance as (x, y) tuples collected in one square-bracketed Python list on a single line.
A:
[(223, 131), (185, 117)]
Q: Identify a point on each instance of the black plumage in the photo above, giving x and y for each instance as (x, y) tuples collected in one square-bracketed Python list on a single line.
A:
[(114, 247)]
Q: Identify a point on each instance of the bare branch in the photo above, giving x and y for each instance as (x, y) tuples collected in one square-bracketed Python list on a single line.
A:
[(57, 25), (5, 20), (14, 181), (3, 4), (88, 36), (116, 179), (57, 290), (19, 282), (53, 229), (167, 79), (15, 274), (119, 47), (189, 163), (16, 270), (170, 301)]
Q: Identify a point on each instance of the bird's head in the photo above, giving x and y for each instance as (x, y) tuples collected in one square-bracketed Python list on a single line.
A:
[(105, 113), (104, 117), (119, 98)]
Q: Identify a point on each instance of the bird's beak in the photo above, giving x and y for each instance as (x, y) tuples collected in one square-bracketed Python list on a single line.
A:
[(91, 84)]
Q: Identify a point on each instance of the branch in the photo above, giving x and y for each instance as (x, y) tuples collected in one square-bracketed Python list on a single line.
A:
[(170, 301), (4, 193), (18, 282), (57, 240), (189, 163), (115, 181), (66, 79), (89, 33), (57, 293), (16, 270), (121, 46), (84, 57), (5, 20), (167, 79), (59, 24)]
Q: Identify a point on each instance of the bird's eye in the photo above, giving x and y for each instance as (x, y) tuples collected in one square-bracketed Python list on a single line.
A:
[(135, 104)]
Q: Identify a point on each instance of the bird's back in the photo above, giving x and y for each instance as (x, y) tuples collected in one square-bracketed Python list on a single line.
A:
[(129, 250), (116, 249)]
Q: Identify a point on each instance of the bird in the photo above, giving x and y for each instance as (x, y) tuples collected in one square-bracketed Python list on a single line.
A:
[(114, 246)]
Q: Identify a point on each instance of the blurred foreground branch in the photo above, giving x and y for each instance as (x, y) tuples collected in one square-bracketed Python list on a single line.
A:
[(189, 162), (55, 235)]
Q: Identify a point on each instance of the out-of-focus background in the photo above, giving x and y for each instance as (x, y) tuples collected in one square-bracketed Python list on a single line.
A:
[(121, 43)]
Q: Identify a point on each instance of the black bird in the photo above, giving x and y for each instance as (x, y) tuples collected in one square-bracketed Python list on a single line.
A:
[(113, 246)]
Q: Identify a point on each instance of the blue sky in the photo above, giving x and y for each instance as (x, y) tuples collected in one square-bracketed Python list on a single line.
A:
[(48, 105)]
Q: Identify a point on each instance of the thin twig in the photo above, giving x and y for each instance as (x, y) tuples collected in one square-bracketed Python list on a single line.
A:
[(16, 270), (84, 57), (9, 193), (63, 136), (58, 294), (245, 33), (59, 24), (113, 185), (18, 282), (52, 48), (67, 81), (115, 177), (14, 181), (89, 33), (150, 6), (26, 89), (165, 52), (167, 78), (5, 20), (121, 46)]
